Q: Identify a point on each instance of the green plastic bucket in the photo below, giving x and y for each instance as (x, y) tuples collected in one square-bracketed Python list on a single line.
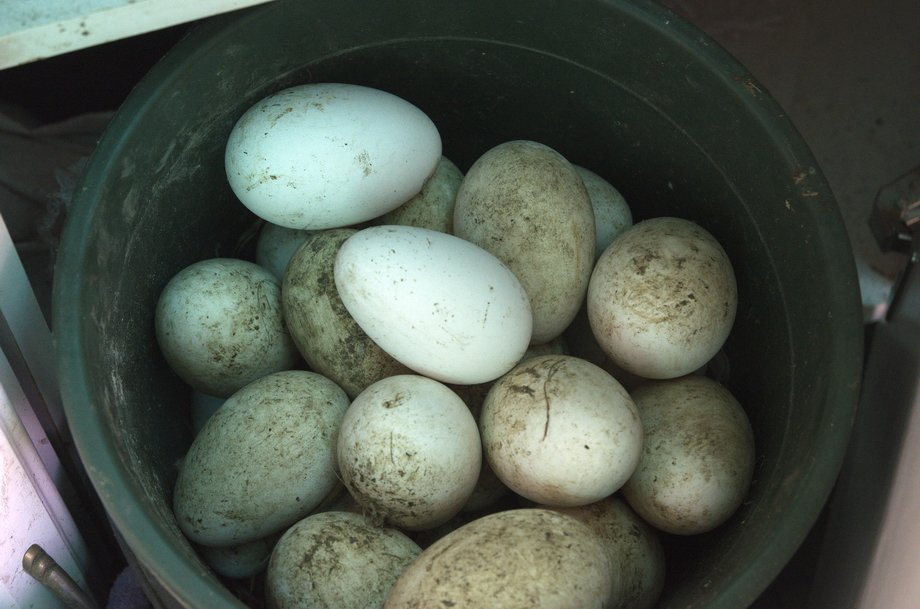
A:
[(624, 88)]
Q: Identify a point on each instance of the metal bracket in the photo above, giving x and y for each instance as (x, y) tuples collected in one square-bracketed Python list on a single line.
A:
[(894, 219), (896, 212)]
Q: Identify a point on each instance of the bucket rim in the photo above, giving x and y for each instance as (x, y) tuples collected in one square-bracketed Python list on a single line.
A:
[(135, 519)]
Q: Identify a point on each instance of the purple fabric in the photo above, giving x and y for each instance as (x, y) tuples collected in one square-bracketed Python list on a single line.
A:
[(126, 592)]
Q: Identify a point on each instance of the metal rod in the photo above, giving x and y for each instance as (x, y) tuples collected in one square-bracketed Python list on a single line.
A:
[(37, 563)]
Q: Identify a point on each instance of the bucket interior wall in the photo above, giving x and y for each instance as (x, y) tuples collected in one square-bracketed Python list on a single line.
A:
[(625, 89)]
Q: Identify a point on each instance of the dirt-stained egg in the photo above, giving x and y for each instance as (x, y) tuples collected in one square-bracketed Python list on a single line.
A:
[(560, 431), (336, 559), (698, 459), (662, 298), (514, 558), (263, 461), (219, 325), (525, 203), (409, 452), (324, 331)]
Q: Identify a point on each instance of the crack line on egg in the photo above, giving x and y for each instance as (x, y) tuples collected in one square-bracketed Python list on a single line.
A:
[(549, 377)]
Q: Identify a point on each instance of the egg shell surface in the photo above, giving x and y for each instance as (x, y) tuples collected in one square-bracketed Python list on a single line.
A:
[(336, 559), (698, 459), (219, 324), (264, 460), (326, 155), (326, 334), (515, 558), (442, 306), (409, 452), (561, 431), (525, 203), (662, 298)]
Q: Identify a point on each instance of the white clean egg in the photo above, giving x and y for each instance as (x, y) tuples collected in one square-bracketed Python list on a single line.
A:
[(327, 155), (440, 305)]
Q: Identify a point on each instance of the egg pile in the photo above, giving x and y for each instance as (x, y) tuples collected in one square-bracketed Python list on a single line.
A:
[(484, 388)]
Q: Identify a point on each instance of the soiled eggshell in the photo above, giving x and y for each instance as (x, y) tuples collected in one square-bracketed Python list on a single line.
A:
[(442, 306), (525, 203), (662, 298), (698, 459), (433, 206), (560, 431), (327, 155), (636, 553), (611, 212), (328, 337), (336, 559), (263, 461), (219, 325), (275, 246), (409, 452), (516, 558)]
